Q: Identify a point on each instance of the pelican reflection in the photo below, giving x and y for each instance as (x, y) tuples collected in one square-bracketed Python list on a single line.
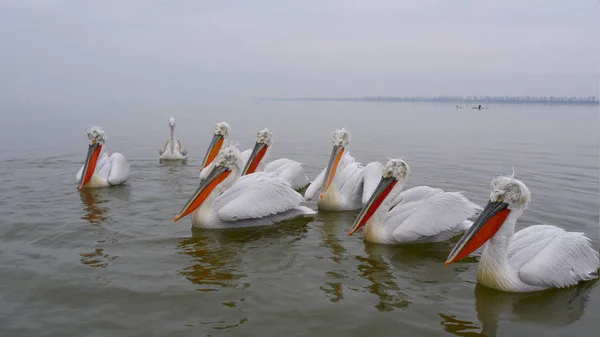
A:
[(551, 308), (218, 255), (95, 212), (378, 271), (332, 229)]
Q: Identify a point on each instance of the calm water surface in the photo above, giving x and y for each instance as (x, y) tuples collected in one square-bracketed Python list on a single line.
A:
[(111, 262)]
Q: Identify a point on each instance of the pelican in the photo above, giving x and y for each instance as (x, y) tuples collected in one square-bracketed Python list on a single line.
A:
[(535, 258), (287, 169), (226, 199), (419, 214), (173, 149), (100, 169), (344, 184)]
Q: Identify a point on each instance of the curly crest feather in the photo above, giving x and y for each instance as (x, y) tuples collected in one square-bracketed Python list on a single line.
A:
[(97, 134), (515, 192)]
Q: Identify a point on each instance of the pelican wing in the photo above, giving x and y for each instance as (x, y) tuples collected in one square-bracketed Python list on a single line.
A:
[(118, 169), (246, 155), (370, 175), (550, 256), (78, 175), (255, 196), (418, 193), (289, 170), (164, 148), (314, 186), (182, 148), (441, 213), (349, 178)]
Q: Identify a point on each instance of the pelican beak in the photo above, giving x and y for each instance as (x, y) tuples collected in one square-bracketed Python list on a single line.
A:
[(386, 184), (487, 224), (213, 150), (214, 178), (334, 160), (257, 155), (89, 167)]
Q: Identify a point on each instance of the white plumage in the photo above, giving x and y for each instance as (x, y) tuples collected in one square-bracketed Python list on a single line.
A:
[(107, 170), (420, 214), (431, 219), (287, 169), (173, 149), (535, 258), (257, 199), (549, 257), (351, 184), (256, 196), (258, 160)]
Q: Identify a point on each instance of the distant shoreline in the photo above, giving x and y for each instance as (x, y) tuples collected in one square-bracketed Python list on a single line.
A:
[(451, 99)]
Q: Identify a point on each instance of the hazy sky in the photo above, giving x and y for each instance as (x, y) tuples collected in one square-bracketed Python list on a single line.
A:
[(78, 50)]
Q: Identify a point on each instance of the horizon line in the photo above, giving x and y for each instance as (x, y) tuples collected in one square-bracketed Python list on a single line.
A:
[(462, 99)]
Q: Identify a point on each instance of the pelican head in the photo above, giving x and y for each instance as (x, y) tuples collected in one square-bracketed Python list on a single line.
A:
[(97, 137), (220, 134), (172, 123), (264, 139), (508, 195), (394, 171), (341, 140), (223, 174)]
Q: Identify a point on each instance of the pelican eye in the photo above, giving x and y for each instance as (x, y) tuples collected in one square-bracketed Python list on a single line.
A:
[(500, 198)]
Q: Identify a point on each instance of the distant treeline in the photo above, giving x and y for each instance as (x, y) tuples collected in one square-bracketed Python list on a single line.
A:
[(455, 99)]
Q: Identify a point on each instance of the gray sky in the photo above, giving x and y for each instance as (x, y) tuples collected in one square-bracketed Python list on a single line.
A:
[(57, 51)]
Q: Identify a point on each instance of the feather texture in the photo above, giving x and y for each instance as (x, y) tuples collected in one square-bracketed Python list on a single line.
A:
[(346, 191), (436, 217), (549, 256), (289, 170), (110, 170), (255, 196), (370, 176)]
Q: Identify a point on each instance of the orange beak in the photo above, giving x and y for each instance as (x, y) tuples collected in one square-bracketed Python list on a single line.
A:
[(386, 185), (487, 224), (258, 153), (334, 160), (214, 178), (89, 167), (213, 150)]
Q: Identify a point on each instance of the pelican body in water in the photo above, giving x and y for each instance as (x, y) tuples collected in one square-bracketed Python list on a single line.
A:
[(419, 214), (258, 160), (100, 169), (535, 258), (226, 199), (173, 149), (344, 184)]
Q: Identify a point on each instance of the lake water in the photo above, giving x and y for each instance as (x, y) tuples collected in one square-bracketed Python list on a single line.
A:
[(111, 262)]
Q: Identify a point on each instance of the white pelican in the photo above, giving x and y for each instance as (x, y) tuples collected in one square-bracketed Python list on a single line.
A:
[(419, 214), (226, 199), (535, 258), (344, 184), (173, 149), (287, 169), (100, 169)]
